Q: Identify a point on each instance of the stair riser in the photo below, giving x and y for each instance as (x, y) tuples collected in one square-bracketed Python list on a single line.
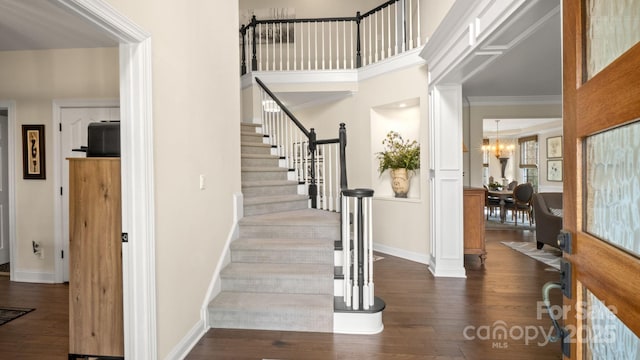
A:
[(264, 175), (301, 285), (270, 190), (271, 320), (260, 209), (303, 232), (281, 257), (249, 149), (270, 162), (246, 138)]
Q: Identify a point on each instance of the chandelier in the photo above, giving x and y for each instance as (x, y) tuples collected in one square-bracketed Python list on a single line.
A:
[(499, 150)]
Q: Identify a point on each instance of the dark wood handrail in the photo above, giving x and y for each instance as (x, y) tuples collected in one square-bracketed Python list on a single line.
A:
[(378, 8), (283, 108), (313, 146)]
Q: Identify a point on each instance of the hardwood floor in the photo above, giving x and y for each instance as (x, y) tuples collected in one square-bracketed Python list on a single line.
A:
[(425, 317), (42, 333)]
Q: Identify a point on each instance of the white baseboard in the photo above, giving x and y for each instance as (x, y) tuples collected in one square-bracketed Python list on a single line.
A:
[(182, 349), (409, 255), (33, 277)]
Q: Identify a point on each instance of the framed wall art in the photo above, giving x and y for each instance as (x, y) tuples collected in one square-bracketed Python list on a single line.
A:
[(554, 170), (33, 159), (554, 147)]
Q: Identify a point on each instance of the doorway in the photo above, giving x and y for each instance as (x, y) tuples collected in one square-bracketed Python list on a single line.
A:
[(5, 244), (74, 118)]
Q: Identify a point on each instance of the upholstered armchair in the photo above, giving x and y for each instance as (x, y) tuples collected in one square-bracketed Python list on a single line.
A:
[(547, 210)]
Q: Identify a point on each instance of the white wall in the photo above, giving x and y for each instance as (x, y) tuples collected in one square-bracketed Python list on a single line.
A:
[(196, 111), (33, 79)]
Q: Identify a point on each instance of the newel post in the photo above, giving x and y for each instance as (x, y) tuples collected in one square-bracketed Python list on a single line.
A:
[(313, 187), (243, 66), (342, 137), (254, 59)]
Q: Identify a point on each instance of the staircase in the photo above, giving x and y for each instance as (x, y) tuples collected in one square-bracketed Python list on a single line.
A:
[(281, 274)]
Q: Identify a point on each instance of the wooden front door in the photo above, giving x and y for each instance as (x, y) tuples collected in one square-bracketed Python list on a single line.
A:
[(601, 98)]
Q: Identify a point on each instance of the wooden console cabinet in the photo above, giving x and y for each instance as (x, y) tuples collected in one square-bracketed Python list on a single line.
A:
[(95, 258), (474, 222)]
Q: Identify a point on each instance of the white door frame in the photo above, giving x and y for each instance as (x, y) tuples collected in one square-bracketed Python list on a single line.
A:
[(138, 220), (58, 216), (11, 163)]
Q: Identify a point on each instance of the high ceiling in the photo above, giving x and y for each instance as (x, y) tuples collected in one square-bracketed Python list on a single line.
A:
[(530, 66)]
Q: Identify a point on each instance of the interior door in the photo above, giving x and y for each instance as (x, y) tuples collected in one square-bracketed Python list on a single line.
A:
[(601, 101), (74, 123), (4, 190)]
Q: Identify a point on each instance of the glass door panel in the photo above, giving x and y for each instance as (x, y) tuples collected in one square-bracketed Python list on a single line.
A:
[(612, 27), (613, 187), (606, 336)]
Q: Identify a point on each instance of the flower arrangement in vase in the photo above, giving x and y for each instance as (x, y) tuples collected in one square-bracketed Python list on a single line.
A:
[(402, 158)]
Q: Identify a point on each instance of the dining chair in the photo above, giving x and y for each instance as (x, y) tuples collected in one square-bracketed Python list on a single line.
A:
[(490, 202), (521, 204)]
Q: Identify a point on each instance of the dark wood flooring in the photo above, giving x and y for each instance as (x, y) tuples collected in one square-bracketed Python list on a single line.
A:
[(425, 317)]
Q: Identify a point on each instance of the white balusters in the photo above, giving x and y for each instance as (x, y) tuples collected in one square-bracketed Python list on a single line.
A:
[(346, 250), (418, 41), (410, 25), (369, 238), (308, 46), (353, 50), (358, 283), (394, 28), (389, 54)]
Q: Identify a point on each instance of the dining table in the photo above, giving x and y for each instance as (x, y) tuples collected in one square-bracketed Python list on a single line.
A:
[(503, 195)]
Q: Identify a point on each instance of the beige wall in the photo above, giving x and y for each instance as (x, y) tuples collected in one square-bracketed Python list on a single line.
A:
[(479, 112), (196, 111), (33, 79), (399, 224)]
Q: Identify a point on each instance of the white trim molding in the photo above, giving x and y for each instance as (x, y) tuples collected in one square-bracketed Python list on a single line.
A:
[(138, 215), (475, 33), (10, 105), (57, 106), (446, 255), (514, 100), (401, 253)]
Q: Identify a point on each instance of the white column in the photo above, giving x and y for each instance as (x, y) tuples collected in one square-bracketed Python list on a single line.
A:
[(445, 182)]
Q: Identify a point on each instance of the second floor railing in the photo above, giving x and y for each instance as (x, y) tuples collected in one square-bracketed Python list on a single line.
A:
[(331, 43)]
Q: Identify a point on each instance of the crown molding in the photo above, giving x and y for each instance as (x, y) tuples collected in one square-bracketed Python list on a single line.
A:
[(515, 100)]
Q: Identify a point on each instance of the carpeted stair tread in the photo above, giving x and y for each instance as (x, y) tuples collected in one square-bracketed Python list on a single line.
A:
[(264, 169), (282, 243), (259, 156), (257, 183), (253, 125), (272, 311), (305, 217), (283, 250), (291, 271), (256, 144), (274, 199)]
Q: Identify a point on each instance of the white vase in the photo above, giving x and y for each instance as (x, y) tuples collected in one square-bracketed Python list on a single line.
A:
[(400, 182)]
